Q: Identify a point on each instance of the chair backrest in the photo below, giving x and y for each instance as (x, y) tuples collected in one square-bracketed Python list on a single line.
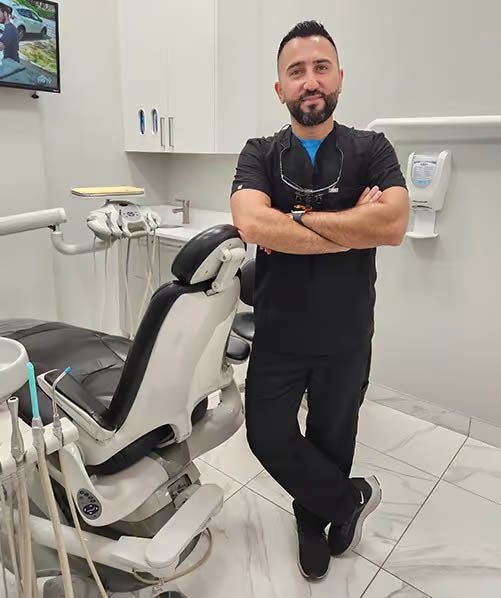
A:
[(177, 358)]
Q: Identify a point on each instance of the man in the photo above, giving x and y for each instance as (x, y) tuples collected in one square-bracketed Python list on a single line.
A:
[(9, 40), (317, 198)]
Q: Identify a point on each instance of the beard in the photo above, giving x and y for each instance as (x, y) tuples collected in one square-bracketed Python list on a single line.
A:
[(313, 116)]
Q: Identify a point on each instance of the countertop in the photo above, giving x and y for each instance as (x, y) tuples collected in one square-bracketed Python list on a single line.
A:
[(200, 220)]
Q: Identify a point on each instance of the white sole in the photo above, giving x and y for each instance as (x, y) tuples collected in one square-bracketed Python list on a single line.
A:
[(370, 507)]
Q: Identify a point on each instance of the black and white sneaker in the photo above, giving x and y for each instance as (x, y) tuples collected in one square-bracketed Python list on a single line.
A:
[(347, 536), (313, 549)]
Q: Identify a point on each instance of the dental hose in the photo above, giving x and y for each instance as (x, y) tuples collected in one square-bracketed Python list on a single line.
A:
[(2, 558), (18, 453), (149, 286), (9, 522), (124, 271), (58, 432), (39, 443)]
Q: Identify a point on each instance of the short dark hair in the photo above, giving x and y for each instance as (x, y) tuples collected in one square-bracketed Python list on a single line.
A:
[(306, 29), (5, 8)]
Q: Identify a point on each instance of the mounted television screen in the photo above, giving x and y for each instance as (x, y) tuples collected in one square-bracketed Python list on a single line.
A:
[(29, 45)]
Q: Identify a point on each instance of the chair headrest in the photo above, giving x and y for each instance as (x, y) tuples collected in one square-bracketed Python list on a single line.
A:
[(200, 259)]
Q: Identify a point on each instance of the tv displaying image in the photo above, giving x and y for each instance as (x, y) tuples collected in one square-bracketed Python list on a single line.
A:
[(29, 45)]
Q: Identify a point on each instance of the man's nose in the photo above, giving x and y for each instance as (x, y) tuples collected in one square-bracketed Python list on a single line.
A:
[(311, 83)]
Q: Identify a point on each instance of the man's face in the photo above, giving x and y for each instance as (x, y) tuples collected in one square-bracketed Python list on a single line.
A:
[(3, 17), (309, 79)]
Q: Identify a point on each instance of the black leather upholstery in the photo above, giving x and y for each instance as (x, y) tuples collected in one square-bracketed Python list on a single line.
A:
[(248, 274), (237, 349), (97, 362), (243, 325), (96, 359), (193, 254)]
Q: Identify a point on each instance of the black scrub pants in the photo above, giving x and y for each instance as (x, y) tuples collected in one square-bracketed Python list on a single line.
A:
[(315, 468)]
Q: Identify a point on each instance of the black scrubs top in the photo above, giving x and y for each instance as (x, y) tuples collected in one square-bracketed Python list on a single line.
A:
[(316, 304)]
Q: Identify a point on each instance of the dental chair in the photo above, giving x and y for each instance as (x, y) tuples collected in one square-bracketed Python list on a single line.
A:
[(244, 325), (143, 415)]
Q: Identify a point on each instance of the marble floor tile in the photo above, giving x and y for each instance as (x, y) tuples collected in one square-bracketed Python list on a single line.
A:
[(209, 475), (485, 432), (234, 458), (255, 556), (377, 392), (404, 491), (430, 412), (421, 444), (477, 467), (404, 488), (452, 548), (386, 585), (265, 485)]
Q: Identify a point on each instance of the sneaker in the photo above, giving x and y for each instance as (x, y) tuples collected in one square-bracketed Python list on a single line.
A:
[(347, 536), (313, 549)]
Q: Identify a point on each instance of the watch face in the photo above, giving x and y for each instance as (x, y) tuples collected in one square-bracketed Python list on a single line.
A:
[(301, 208)]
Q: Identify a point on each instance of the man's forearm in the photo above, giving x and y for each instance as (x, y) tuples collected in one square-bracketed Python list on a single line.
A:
[(362, 227), (275, 230)]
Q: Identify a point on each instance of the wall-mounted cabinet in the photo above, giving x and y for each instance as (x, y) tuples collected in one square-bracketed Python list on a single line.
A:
[(184, 87)]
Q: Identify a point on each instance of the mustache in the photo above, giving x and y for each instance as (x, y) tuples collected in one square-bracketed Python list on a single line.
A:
[(311, 94)]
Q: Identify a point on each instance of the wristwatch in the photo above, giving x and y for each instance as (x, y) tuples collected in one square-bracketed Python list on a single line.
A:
[(297, 216)]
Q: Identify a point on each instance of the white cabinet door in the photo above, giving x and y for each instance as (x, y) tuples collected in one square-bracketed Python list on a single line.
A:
[(167, 254), (238, 73), (190, 32), (143, 56)]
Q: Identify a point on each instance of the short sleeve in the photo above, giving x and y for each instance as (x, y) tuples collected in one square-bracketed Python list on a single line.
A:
[(384, 168), (251, 170)]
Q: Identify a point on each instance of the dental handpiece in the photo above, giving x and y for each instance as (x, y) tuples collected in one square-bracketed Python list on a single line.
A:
[(16, 440)]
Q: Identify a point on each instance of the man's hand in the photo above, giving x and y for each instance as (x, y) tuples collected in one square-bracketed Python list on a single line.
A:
[(369, 196)]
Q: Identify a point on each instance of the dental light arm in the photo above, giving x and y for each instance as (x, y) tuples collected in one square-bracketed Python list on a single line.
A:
[(19, 223), (76, 248), (117, 219)]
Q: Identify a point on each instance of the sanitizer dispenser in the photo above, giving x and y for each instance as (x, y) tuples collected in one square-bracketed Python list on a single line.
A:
[(427, 180)]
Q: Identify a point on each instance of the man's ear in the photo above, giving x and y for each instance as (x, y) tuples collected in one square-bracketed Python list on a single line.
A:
[(341, 73), (278, 89)]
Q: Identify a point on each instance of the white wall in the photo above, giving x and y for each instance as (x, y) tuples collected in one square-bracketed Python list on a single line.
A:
[(27, 287), (438, 329), (400, 58)]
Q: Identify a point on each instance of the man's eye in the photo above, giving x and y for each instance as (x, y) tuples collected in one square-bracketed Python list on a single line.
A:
[(294, 73), (322, 67)]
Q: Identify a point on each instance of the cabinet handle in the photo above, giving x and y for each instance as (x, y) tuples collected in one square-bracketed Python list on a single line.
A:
[(171, 132), (162, 131)]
